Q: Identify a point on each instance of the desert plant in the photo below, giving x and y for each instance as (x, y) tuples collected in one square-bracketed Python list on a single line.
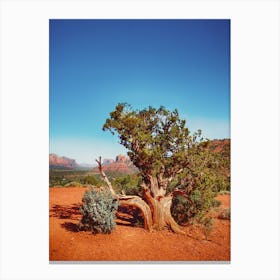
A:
[(98, 210), (207, 225), (224, 214), (91, 180), (224, 192), (128, 184), (191, 210), (73, 184)]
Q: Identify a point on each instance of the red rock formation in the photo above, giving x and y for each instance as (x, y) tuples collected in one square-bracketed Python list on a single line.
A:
[(121, 165), (56, 161), (121, 158)]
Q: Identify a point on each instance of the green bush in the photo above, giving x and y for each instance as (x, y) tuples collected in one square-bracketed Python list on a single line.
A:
[(224, 192), (128, 184), (73, 184), (91, 180), (193, 209), (216, 203), (224, 214), (222, 183), (98, 210), (208, 224)]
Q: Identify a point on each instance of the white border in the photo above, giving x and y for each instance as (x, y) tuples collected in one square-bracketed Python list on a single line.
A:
[(254, 133)]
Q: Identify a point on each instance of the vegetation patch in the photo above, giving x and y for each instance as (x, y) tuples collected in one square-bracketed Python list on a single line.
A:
[(224, 214), (98, 210)]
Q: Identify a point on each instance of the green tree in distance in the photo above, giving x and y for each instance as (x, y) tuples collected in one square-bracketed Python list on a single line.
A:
[(171, 161)]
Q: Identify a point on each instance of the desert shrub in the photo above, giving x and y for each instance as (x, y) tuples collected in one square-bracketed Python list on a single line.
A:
[(128, 184), (193, 209), (91, 180), (58, 181), (201, 198), (224, 214), (207, 225), (73, 184), (222, 182), (200, 182), (224, 192), (216, 203), (98, 210)]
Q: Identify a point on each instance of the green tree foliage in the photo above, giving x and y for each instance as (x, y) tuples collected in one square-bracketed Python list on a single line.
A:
[(98, 210), (155, 138)]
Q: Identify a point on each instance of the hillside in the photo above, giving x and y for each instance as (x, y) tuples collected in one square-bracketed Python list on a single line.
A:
[(221, 146)]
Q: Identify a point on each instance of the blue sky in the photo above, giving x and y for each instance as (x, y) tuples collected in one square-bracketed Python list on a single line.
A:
[(95, 64)]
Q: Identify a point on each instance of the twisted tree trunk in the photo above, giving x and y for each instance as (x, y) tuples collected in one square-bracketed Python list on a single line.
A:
[(160, 205), (156, 210), (136, 201)]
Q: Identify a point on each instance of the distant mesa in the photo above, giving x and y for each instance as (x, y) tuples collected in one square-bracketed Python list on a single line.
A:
[(122, 164), (58, 162), (121, 158)]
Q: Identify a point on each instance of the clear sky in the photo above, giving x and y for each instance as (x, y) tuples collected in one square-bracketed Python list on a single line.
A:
[(95, 64)]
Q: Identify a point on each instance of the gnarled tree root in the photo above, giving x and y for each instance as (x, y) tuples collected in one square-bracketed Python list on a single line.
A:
[(136, 201)]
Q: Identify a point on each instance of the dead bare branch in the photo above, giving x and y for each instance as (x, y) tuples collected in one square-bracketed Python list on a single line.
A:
[(105, 178)]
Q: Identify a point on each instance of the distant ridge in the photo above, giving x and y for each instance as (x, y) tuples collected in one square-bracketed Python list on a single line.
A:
[(61, 162)]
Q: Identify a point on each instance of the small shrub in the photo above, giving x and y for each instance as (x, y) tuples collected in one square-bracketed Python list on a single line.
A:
[(73, 184), (224, 192), (216, 203), (128, 184), (98, 210), (224, 214), (192, 210), (91, 180), (208, 224)]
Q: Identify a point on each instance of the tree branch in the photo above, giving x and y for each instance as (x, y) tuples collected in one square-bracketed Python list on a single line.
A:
[(105, 178)]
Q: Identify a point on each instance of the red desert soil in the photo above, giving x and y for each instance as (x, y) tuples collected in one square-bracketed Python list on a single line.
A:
[(128, 243)]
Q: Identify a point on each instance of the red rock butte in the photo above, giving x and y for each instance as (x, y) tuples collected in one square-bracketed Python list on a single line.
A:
[(57, 161), (122, 164), (121, 158)]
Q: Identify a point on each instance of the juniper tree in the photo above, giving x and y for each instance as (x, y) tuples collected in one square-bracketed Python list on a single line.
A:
[(170, 159)]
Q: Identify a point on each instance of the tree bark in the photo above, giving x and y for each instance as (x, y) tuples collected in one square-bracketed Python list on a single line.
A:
[(160, 205)]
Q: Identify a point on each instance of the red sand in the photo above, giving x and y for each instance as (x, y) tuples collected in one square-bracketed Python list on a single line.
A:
[(128, 243)]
